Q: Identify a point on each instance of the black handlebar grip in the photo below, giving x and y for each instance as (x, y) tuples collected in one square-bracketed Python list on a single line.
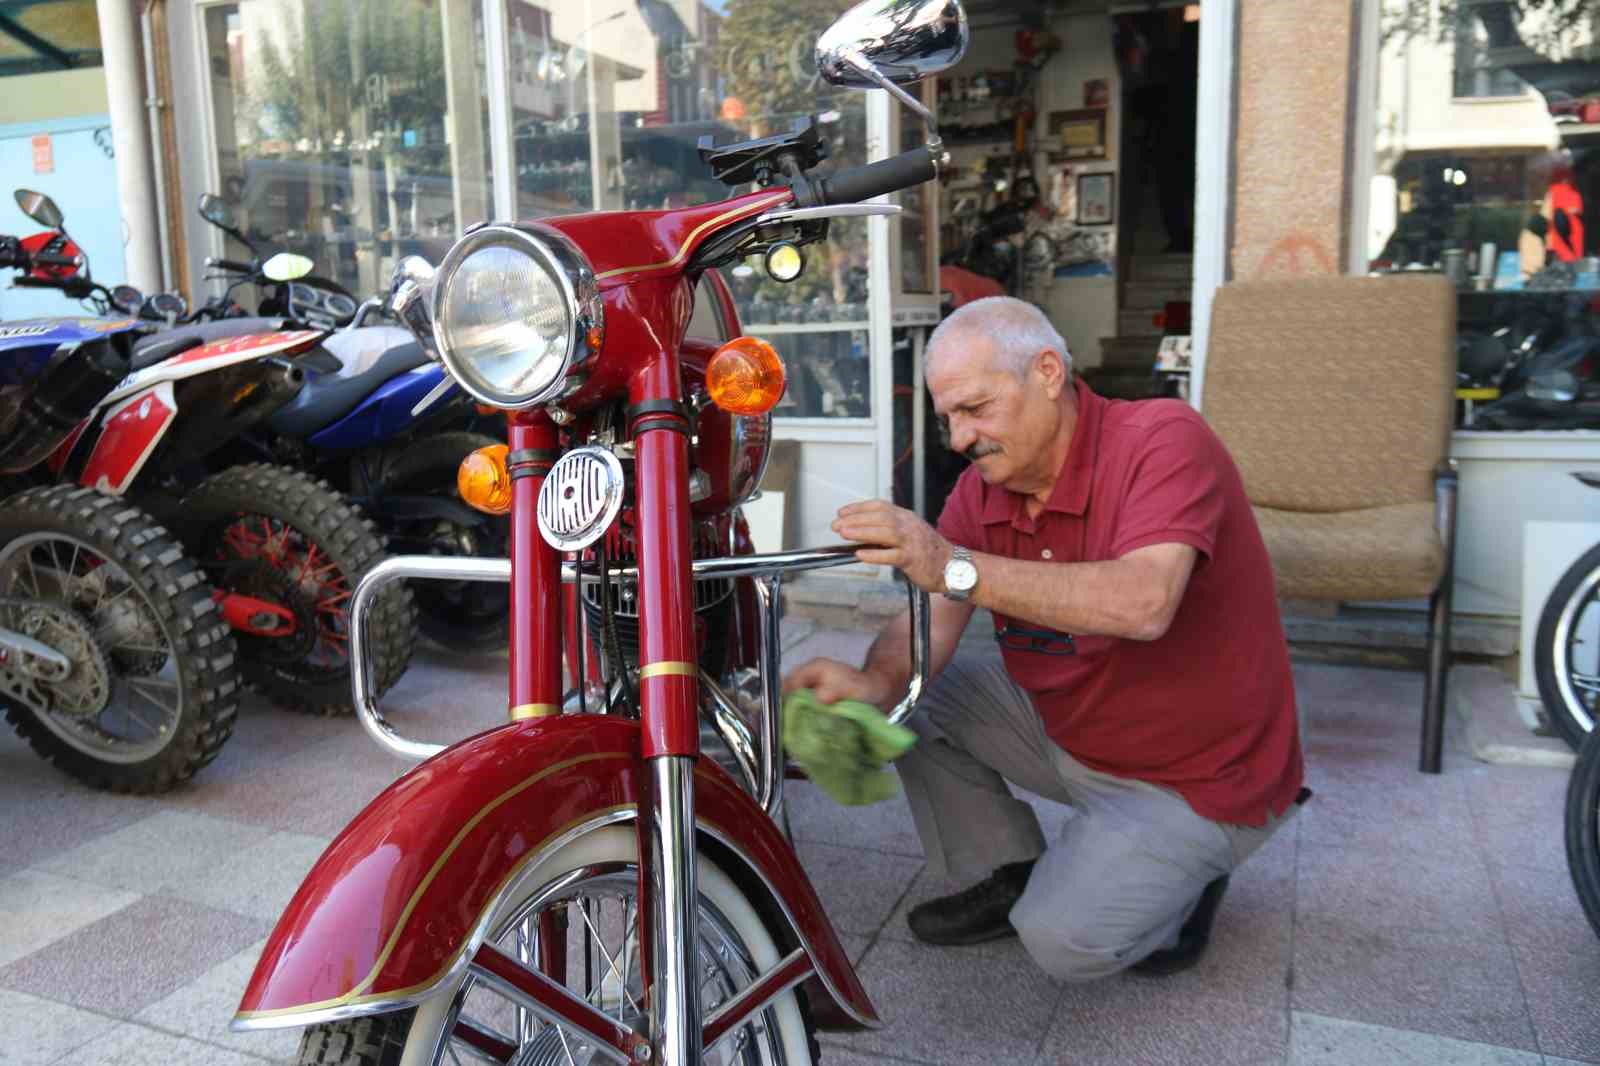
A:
[(234, 265), (51, 260), (889, 175), (11, 254)]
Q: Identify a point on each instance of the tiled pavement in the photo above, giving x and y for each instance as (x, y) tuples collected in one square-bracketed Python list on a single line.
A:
[(1400, 919)]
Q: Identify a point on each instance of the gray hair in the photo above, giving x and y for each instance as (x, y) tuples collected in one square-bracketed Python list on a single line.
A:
[(1018, 330)]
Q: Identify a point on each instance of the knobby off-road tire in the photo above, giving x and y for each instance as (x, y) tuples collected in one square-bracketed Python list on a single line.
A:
[(782, 1033), (1568, 703), (197, 652), (1583, 828), (286, 537), (463, 616)]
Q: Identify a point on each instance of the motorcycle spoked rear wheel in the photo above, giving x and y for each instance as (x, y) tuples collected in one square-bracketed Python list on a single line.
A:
[(152, 689), (590, 888), (286, 537)]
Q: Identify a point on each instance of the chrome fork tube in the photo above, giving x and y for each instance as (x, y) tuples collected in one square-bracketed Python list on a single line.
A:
[(771, 747), (674, 932)]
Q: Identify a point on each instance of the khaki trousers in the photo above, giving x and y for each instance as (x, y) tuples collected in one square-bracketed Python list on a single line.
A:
[(1130, 864)]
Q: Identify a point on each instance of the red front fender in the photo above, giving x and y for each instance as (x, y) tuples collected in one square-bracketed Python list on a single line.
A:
[(401, 898)]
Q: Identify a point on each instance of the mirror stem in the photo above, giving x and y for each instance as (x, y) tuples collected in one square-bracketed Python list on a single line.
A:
[(863, 66)]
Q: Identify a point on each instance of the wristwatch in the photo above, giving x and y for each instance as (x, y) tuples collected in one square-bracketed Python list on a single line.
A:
[(960, 575)]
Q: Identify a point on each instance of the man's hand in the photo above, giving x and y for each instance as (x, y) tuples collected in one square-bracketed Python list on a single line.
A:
[(899, 538), (831, 681)]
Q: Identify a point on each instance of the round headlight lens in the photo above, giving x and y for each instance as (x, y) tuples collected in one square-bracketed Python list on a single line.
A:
[(505, 319)]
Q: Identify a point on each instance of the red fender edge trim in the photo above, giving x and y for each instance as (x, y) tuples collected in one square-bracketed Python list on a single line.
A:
[(391, 908)]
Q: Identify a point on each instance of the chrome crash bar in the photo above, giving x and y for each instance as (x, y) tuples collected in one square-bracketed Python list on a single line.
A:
[(760, 763)]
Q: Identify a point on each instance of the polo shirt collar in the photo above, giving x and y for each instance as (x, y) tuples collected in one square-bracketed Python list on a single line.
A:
[(1070, 495)]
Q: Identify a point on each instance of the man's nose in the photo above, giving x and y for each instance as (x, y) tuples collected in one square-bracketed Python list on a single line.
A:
[(961, 435)]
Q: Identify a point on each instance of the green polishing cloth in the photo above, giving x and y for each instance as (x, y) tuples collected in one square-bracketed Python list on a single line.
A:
[(843, 746)]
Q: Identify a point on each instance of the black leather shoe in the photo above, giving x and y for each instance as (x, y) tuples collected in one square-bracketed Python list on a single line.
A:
[(973, 915), (1192, 938)]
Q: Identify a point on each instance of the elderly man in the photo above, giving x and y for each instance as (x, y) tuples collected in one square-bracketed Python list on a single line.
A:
[(1139, 671)]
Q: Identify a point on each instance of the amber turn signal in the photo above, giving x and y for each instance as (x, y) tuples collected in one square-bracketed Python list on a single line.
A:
[(745, 377), (483, 480)]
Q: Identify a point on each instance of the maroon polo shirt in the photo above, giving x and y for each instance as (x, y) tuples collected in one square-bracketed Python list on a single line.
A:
[(1208, 709)]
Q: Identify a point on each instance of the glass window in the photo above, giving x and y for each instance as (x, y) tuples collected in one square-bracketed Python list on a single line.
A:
[(351, 131), (1476, 73), (1487, 156), (357, 131)]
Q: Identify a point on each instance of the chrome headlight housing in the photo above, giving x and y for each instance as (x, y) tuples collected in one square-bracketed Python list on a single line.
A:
[(752, 450), (514, 313)]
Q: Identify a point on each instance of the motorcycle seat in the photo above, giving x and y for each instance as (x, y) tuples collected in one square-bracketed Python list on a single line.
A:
[(154, 347), (327, 398), (148, 351)]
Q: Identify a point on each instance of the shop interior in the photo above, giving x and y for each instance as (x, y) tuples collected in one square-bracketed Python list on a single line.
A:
[(1072, 139)]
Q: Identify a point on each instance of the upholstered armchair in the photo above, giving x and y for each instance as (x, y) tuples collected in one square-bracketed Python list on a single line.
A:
[(1336, 398)]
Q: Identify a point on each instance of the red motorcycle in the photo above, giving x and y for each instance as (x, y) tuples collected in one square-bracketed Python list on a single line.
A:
[(577, 887)]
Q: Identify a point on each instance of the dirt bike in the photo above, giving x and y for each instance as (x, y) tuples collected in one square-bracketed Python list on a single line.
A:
[(115, 662), (283, 547), (1569, 679), (572, 887)]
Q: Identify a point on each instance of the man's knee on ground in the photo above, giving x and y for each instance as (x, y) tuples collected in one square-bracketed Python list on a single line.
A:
[(1075, 947)]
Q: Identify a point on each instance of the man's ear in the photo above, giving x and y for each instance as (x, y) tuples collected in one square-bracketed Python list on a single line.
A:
[(1051, 371)]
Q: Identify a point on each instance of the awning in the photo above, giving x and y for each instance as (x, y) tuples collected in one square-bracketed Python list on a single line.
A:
[(44, 35)]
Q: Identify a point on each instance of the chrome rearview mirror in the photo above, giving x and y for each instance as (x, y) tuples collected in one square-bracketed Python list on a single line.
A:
[(410, 299), (884, 44), (39, 207)]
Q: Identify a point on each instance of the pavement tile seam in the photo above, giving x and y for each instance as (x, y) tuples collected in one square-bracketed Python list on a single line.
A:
[(842, 1042), (181, 1035), (1516, 961)]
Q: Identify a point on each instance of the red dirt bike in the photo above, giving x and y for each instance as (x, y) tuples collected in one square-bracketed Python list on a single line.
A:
[(577, 887)]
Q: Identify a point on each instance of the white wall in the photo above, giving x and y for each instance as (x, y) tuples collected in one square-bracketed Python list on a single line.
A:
[(1417, 110), (53, 95)]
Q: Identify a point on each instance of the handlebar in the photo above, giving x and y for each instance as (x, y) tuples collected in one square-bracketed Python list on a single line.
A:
[(855, 184), (50, 259), (232, 265)]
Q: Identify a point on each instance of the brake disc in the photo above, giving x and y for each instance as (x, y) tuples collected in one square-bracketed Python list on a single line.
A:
[(86, 689)]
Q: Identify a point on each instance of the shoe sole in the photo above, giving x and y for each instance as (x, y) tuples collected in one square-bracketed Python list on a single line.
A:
[(966, 941)]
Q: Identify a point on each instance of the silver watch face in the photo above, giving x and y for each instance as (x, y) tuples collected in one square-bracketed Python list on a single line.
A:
[(960, 575)]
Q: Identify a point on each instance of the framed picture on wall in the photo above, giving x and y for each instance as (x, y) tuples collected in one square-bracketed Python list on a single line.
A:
[(1079, 134), (1096, 199)]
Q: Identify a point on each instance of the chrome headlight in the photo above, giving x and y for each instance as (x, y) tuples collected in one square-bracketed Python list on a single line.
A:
[(514, 313)]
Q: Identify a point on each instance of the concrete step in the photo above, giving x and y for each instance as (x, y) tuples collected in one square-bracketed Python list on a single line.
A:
[(1129, 351), (1121, 383), (1164, 268), (1152, 296), (1136, 321)]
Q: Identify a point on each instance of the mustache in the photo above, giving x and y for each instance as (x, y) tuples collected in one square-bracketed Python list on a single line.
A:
[(979, 449)]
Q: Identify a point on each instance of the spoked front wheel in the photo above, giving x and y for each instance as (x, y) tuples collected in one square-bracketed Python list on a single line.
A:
[(1567, 651), (575, 919)]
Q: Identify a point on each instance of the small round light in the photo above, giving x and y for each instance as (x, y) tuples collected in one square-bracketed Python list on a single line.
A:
[(745, 377), (785, 263), (483, 480)]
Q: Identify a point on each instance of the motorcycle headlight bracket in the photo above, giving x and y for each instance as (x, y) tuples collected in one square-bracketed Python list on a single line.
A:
[(566, 267)]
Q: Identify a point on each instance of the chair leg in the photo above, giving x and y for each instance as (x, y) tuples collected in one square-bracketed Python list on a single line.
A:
[(1439, 624), (1434, 685)]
